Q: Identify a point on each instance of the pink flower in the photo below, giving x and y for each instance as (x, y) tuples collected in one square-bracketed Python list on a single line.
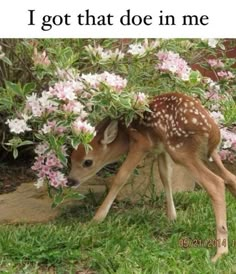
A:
[(34, 105), (51, 126), (233, 147), (48, 166), (83, 127), (215, 63), (226, 74), (224, 154), (140, 99), (73, 106), (40, 58), (39, 105), (53, 161), (228, 136), (172, 62), (114, 81), (63, 91), (57, 179)]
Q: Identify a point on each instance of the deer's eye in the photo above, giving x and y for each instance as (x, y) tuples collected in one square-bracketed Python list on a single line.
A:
[(87, 163)]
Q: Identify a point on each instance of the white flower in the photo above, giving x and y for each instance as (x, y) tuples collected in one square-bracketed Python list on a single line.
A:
[(18, 125), (212, 42), (33, 103), (92, 79), (227, 144), (26, 117), (137, 49), (39, 183), (41, 148), (217, 116), (46, 128), (103, 54)]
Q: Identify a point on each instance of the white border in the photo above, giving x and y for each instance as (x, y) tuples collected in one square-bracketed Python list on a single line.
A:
[(14, 18)]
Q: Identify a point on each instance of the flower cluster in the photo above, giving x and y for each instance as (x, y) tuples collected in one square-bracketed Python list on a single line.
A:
[(226, 74), (228, 147), (104, 55), (48, 167), (212, 42), (40, 58), (140, 100), (112, 80), (170, 61), (18, 125), (83, 127), (141, 49), (217, 116), (62, 110), (215, 63), (37, 106)]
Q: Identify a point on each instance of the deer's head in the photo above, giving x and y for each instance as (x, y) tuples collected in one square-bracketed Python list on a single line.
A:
[(111, 141)]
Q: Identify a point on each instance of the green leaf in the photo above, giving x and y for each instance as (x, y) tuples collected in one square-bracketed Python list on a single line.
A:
[(6, 60), (75, 142), (74, 195), (28, 88), (62, 157), (6, 103), (57, 199), (15, 153), (194, 76), (53, 142), (25, 143), (198, 91), (14, 88)]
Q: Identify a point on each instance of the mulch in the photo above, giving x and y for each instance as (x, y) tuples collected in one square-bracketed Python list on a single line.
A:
[(11, 176)]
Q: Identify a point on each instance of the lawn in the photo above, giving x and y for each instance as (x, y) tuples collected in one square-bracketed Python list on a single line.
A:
[(133, 239)]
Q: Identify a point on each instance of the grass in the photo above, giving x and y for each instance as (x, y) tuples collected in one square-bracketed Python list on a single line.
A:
[(132, 240)]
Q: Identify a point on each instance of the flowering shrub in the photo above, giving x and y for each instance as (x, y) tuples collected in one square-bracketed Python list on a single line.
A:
[(109, 78)]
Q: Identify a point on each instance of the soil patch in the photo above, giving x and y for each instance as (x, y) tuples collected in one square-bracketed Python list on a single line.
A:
[(11, 176)]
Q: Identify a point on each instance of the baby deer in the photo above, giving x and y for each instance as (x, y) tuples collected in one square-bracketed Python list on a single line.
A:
[(179, 129)]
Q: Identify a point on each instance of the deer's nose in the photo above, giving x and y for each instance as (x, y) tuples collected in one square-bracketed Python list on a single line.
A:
[(72, 182)]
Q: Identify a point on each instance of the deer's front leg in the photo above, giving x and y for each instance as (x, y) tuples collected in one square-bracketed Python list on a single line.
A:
[(137, 149)]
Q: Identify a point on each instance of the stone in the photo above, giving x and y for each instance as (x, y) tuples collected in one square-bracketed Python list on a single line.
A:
[(27, 205)]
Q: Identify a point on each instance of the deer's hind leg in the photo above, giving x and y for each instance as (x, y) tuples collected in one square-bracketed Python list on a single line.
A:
[(230, 179), (215, 187), (165, 170)]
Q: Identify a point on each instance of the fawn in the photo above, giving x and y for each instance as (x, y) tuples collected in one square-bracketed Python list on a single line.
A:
[(180, 129)]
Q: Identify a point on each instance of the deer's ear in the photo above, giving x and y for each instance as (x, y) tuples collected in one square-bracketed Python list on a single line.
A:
[(110, 133)]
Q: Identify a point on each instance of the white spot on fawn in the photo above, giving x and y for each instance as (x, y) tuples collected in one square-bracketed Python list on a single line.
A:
[(194, 120)]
